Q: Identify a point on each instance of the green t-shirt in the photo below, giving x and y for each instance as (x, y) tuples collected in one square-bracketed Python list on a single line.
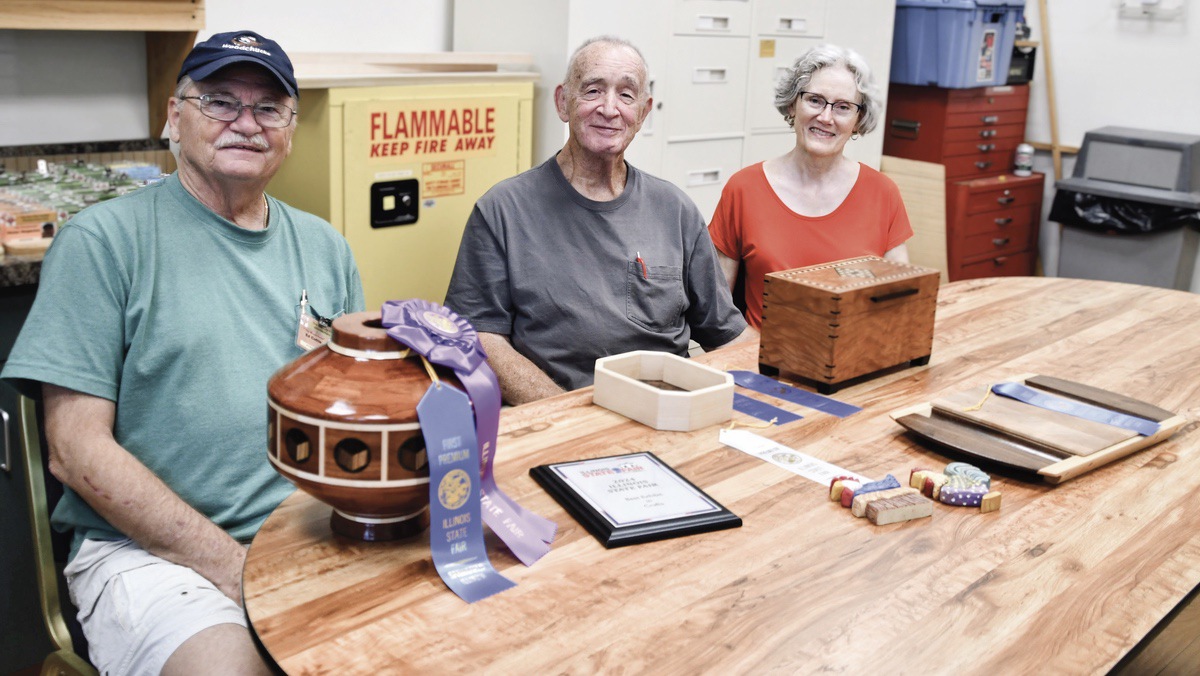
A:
[(179, 316)]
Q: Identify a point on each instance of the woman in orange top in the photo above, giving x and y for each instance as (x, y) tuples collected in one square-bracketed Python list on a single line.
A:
[(812, 205)]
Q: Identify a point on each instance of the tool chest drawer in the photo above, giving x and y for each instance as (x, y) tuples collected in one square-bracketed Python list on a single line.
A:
[(990, 219), (931, 124)]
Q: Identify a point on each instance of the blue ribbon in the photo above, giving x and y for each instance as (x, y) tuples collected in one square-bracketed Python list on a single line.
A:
[(760, 383), (762, 410), (1075, 408), (455, 519)]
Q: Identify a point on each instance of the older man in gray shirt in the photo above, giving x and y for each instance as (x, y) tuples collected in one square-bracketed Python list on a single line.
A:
[(586, 256)]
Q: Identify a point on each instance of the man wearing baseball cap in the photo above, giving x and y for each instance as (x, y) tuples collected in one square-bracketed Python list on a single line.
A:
[(160, 316)]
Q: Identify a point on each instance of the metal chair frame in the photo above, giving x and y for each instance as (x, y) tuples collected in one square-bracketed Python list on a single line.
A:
[(64, 660)]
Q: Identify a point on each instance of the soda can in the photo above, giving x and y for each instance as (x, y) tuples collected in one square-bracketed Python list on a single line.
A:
[(1024, 162)]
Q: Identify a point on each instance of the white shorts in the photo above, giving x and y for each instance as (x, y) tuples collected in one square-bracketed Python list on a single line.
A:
[(137, 609)]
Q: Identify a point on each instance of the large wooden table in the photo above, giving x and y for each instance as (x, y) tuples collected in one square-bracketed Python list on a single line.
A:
[(1064, 579)]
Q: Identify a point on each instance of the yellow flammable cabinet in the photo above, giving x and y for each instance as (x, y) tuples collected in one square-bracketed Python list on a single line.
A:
[(395, 161)]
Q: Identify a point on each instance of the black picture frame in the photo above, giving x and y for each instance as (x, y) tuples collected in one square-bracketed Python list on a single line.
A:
[(611, 534)]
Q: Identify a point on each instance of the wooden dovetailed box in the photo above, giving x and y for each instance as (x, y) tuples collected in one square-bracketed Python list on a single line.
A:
[(836, 321), (663, 390)]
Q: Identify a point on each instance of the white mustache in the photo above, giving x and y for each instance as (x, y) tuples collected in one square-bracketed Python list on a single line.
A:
[(236, 139)]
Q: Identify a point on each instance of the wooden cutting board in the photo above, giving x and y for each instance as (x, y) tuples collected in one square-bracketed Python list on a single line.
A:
[(964, 437), (1059, 431)]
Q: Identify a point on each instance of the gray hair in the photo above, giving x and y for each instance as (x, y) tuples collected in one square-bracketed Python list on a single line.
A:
[(574, 71), (824, 56), (181, 89)]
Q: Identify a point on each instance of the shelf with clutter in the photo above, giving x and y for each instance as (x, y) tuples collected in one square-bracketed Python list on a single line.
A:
[(170, 26)]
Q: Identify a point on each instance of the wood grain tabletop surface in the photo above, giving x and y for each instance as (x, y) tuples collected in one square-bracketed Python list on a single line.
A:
[(1063, 579)]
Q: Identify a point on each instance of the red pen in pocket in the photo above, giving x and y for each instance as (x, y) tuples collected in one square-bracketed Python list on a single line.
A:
[(642, 263)]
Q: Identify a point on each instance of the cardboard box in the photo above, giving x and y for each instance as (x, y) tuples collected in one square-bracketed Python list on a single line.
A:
[(26, 221)]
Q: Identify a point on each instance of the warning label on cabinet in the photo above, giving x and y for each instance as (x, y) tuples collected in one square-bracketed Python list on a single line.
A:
[(431, 130), (444, 178)]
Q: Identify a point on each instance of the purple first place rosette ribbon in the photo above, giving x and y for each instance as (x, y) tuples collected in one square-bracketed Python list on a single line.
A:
[(456, 529), (446, 339)]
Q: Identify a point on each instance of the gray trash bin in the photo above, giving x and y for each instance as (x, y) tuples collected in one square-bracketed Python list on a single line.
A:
[(1131, 209)]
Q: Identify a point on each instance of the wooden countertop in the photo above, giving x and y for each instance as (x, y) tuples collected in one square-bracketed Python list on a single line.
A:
[(1063, 579)]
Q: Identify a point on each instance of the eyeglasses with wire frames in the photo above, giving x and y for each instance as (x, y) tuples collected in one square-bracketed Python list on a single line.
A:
[(227, 109), (816, 103)]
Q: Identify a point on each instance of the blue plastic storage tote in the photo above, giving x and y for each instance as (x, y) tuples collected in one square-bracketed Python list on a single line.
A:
[(954, 43)]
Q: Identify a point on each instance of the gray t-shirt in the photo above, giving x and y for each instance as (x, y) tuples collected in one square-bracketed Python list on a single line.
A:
[(560, 274), (179, 316)]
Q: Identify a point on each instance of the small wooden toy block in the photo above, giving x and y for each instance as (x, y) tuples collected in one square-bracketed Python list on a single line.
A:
[(663, 390), (858, 506), (905, 507), (888, 482), (969, 471), (969, 495), (916, 477), (848, 489), (836, 486), (885, 483), (990, 502), (933, 484)]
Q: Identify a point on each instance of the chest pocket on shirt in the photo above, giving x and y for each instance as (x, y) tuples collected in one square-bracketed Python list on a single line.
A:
[(654, 298)]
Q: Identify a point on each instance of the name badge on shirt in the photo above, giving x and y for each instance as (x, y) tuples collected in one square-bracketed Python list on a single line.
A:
[(313, 330)]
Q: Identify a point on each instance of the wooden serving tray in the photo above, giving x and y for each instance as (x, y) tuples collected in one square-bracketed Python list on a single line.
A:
[(1054, 445)]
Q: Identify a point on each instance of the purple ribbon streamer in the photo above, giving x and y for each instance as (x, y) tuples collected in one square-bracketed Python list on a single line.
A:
[(446, 339), (485, 393)]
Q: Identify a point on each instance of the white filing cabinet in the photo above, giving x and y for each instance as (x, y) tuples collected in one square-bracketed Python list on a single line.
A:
[(713, 68)]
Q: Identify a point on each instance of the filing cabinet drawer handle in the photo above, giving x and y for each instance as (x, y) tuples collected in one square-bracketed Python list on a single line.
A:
[(703, 177), (893, 295), (906, 129), (712, 22), (986, 147), (998, 261), (990, 119), (982, 165), (1003, 221), (7, 465), (987, 133), (1000, 241), (1006, 200), (708, 76), (789, 24)]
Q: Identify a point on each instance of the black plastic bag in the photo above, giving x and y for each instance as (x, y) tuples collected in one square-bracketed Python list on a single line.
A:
[(1117, 215)]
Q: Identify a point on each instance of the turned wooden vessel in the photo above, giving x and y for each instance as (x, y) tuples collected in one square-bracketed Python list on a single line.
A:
[(342, 426)]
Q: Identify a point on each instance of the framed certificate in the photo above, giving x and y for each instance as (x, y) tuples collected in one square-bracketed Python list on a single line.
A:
[(632, 498)]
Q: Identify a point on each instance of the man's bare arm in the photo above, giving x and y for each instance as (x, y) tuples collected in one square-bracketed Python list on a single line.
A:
[(521, 380), (85, 456), (729, 267)]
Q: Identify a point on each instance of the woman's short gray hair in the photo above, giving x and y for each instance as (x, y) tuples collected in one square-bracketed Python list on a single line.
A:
[(823, 56)]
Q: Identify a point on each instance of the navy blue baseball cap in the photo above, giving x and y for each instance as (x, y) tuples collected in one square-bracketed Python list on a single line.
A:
[(224, 49)]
